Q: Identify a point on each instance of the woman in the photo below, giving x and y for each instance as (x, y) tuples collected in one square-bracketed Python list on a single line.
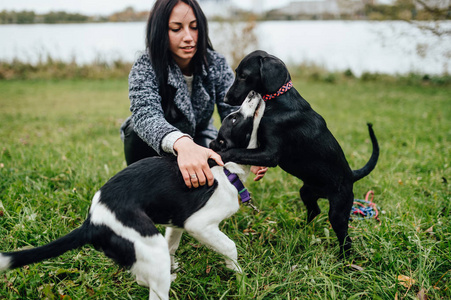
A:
[(173, 88)]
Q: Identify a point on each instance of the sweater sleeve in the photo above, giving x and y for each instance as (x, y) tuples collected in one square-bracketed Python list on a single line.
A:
[(145, 105)]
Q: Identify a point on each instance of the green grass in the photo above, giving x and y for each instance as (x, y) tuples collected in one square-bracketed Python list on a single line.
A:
[(59, 142)]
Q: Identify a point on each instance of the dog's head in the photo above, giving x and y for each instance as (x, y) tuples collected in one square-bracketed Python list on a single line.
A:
[(239, 129), (260, 72)]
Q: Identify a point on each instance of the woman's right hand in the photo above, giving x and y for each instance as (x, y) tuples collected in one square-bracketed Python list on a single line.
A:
[(193, 162)]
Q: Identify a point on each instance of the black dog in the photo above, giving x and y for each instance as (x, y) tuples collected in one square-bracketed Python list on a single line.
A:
[(295, 137), (151, 191)]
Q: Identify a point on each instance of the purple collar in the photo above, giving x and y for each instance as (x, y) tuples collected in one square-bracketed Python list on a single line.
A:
[(235, 180)]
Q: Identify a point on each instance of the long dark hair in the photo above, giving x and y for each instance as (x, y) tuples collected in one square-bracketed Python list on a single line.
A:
[(157, 40)]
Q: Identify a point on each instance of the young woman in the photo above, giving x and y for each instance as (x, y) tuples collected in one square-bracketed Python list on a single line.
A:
[(173, 88)]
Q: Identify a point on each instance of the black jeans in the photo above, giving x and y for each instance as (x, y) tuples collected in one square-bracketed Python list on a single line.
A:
[(136, 149)]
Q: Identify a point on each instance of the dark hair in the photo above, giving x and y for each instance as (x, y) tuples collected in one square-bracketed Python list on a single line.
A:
[(157, 40)]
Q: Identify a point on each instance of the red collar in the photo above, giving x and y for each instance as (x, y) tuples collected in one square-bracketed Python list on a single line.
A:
[(285, 88)]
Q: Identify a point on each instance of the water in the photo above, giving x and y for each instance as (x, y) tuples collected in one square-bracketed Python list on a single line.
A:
[(385, 47), (361, 46), (83, 43)]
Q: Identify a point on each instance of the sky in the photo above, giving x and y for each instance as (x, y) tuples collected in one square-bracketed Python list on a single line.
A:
[(106, 7)]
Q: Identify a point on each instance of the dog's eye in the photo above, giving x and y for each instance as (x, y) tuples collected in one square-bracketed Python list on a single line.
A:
[(221, 142), (233, 120)]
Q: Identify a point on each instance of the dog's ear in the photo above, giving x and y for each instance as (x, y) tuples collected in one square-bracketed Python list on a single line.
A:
[(273, 73)]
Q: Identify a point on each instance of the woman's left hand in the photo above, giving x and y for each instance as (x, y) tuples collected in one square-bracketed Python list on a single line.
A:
[(259, 171)]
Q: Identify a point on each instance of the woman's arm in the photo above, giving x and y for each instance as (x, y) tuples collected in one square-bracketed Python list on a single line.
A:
[(145, 105)]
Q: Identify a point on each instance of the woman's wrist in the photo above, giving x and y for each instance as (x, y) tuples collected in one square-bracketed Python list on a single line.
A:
[(168, 142), (182, 142)]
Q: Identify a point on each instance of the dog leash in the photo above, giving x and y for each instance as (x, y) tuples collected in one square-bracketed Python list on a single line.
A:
[(365, 209), (242, 190), (285, 88)]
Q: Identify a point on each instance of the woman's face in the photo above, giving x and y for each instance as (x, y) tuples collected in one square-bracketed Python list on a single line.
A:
[(182, 35)]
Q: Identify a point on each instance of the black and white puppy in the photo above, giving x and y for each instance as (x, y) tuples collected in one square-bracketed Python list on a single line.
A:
[(122, 217), (295, 137)]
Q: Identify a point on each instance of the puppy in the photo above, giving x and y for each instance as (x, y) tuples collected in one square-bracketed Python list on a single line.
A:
[(295, 137), (122, 217)]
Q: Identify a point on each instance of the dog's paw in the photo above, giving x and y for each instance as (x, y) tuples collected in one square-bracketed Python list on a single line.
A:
[(175, 267), (174, 264), (173, 277)]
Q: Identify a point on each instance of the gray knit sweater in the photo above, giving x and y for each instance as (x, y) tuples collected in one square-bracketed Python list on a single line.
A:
[(209, 88)]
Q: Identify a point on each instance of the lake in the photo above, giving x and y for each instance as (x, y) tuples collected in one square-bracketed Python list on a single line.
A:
[(392, 47)]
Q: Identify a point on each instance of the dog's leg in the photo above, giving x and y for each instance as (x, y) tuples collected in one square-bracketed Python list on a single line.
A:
[(310, 200), (173, 236), (268, 157), (340, 209), (153, 265), (213, 238)]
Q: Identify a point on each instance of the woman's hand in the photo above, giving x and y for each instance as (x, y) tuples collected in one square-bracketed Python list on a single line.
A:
[(259, 171), (193, 162)]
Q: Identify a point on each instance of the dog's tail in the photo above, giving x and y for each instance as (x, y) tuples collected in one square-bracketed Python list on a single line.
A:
[(72, 240), (371, 164)]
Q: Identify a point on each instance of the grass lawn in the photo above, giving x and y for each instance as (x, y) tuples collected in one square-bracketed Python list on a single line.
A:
[(59, 142)]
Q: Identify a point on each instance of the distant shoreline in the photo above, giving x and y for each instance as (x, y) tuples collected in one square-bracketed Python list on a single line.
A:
[(366, 12)]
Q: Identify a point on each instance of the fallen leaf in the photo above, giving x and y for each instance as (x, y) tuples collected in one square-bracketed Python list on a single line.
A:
[(90, 291), (422, 295), (430, 230), (356, 267), (208, 270), (10, 285), (406, 281), (249, 231)]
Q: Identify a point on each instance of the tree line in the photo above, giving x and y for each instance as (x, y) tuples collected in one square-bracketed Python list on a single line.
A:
[(30, 17)]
